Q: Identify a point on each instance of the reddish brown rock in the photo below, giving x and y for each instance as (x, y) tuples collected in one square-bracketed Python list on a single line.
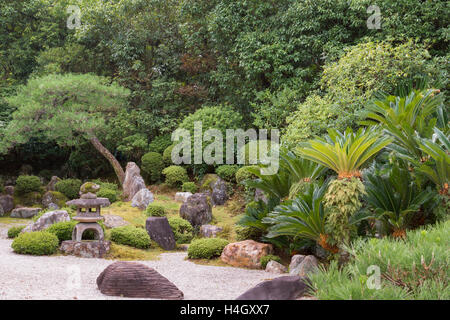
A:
[(135, 280), (245, 254)]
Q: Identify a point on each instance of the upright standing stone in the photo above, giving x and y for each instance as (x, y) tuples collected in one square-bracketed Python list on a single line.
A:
[(219, 192), (51, 185), (197, 209), (159, 230), (7, 202), (133, 181)]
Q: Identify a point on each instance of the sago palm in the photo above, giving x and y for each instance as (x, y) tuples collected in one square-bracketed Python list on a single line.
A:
[(345, 153), (406, 117)]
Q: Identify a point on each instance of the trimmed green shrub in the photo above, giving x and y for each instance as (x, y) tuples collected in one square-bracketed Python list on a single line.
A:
[(189, 187), (131, 236), (154, 210), (266, 259), (160, 143), (175, 176), (107, 193), (182, 229), (63, 230), (167, 155), (36, 243), (106, 185), (227, 172), (206, 248), (69, 187), (242, 174), (14, 231), (27, 184), (152, 165)]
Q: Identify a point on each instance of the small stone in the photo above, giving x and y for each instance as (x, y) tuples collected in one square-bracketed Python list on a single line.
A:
[(281, 288), (210, 231), (159, 230), (53, 206), (275, 267), (296, 260), (309, 264), (142, 199), (182, 196), (9, 190), (86, 249), (25, 212), (46, 220), (113, 221)]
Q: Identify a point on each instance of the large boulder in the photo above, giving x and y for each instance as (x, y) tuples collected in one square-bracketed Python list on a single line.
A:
[(275, 267), (197, 209), (52, 183), (159, 230), (86, 249), (219, 192), (135, 280), (142, 199), (7, 203), (246, 254), (112, 221), (182, 196), (281, 288), (25, 212), (307, 264), (47, 219), (133, 181), (210, 231)]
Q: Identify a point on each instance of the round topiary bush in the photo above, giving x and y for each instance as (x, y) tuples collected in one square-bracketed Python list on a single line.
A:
[(243, 174), (182, 230), (152, 164), (107, 193), (27, 184), (131, 236), (153, 210), (69, 187), (189, 187), (266, 259), (227, 172), (167, 155), (175, 176), (14, 231), (206, 248), (63, 230), (36, 243)]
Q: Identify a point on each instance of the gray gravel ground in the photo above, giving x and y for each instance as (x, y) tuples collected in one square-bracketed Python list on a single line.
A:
[(56, 277)]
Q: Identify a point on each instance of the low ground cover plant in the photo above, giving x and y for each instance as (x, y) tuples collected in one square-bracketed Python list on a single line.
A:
[(206, 248)]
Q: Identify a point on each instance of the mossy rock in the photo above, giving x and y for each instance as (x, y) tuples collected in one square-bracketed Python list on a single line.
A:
[(208, 181), (89, 187), (29, 199)]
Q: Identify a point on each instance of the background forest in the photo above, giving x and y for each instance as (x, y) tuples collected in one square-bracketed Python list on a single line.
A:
[(296, 65)]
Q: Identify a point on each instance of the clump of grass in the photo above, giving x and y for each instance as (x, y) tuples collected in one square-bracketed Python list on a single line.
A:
[(126, 253), (414, 268)]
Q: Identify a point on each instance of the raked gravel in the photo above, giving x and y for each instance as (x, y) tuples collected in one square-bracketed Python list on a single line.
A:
[(56, 277)]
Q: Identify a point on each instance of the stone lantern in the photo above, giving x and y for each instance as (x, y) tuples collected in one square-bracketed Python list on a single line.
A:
[(88, 216)]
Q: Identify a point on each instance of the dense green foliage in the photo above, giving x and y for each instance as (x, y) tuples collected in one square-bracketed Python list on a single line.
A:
[(206, 248), (152, 165), (182, 229), (175, 176), (131, 236), (227, 172), (13, 232), (69, 187), (27, 184), (154, 210), (189, 187), (36, 243), (63, 230)]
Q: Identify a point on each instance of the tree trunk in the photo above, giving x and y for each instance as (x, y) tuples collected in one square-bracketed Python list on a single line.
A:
[(110, 157)]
